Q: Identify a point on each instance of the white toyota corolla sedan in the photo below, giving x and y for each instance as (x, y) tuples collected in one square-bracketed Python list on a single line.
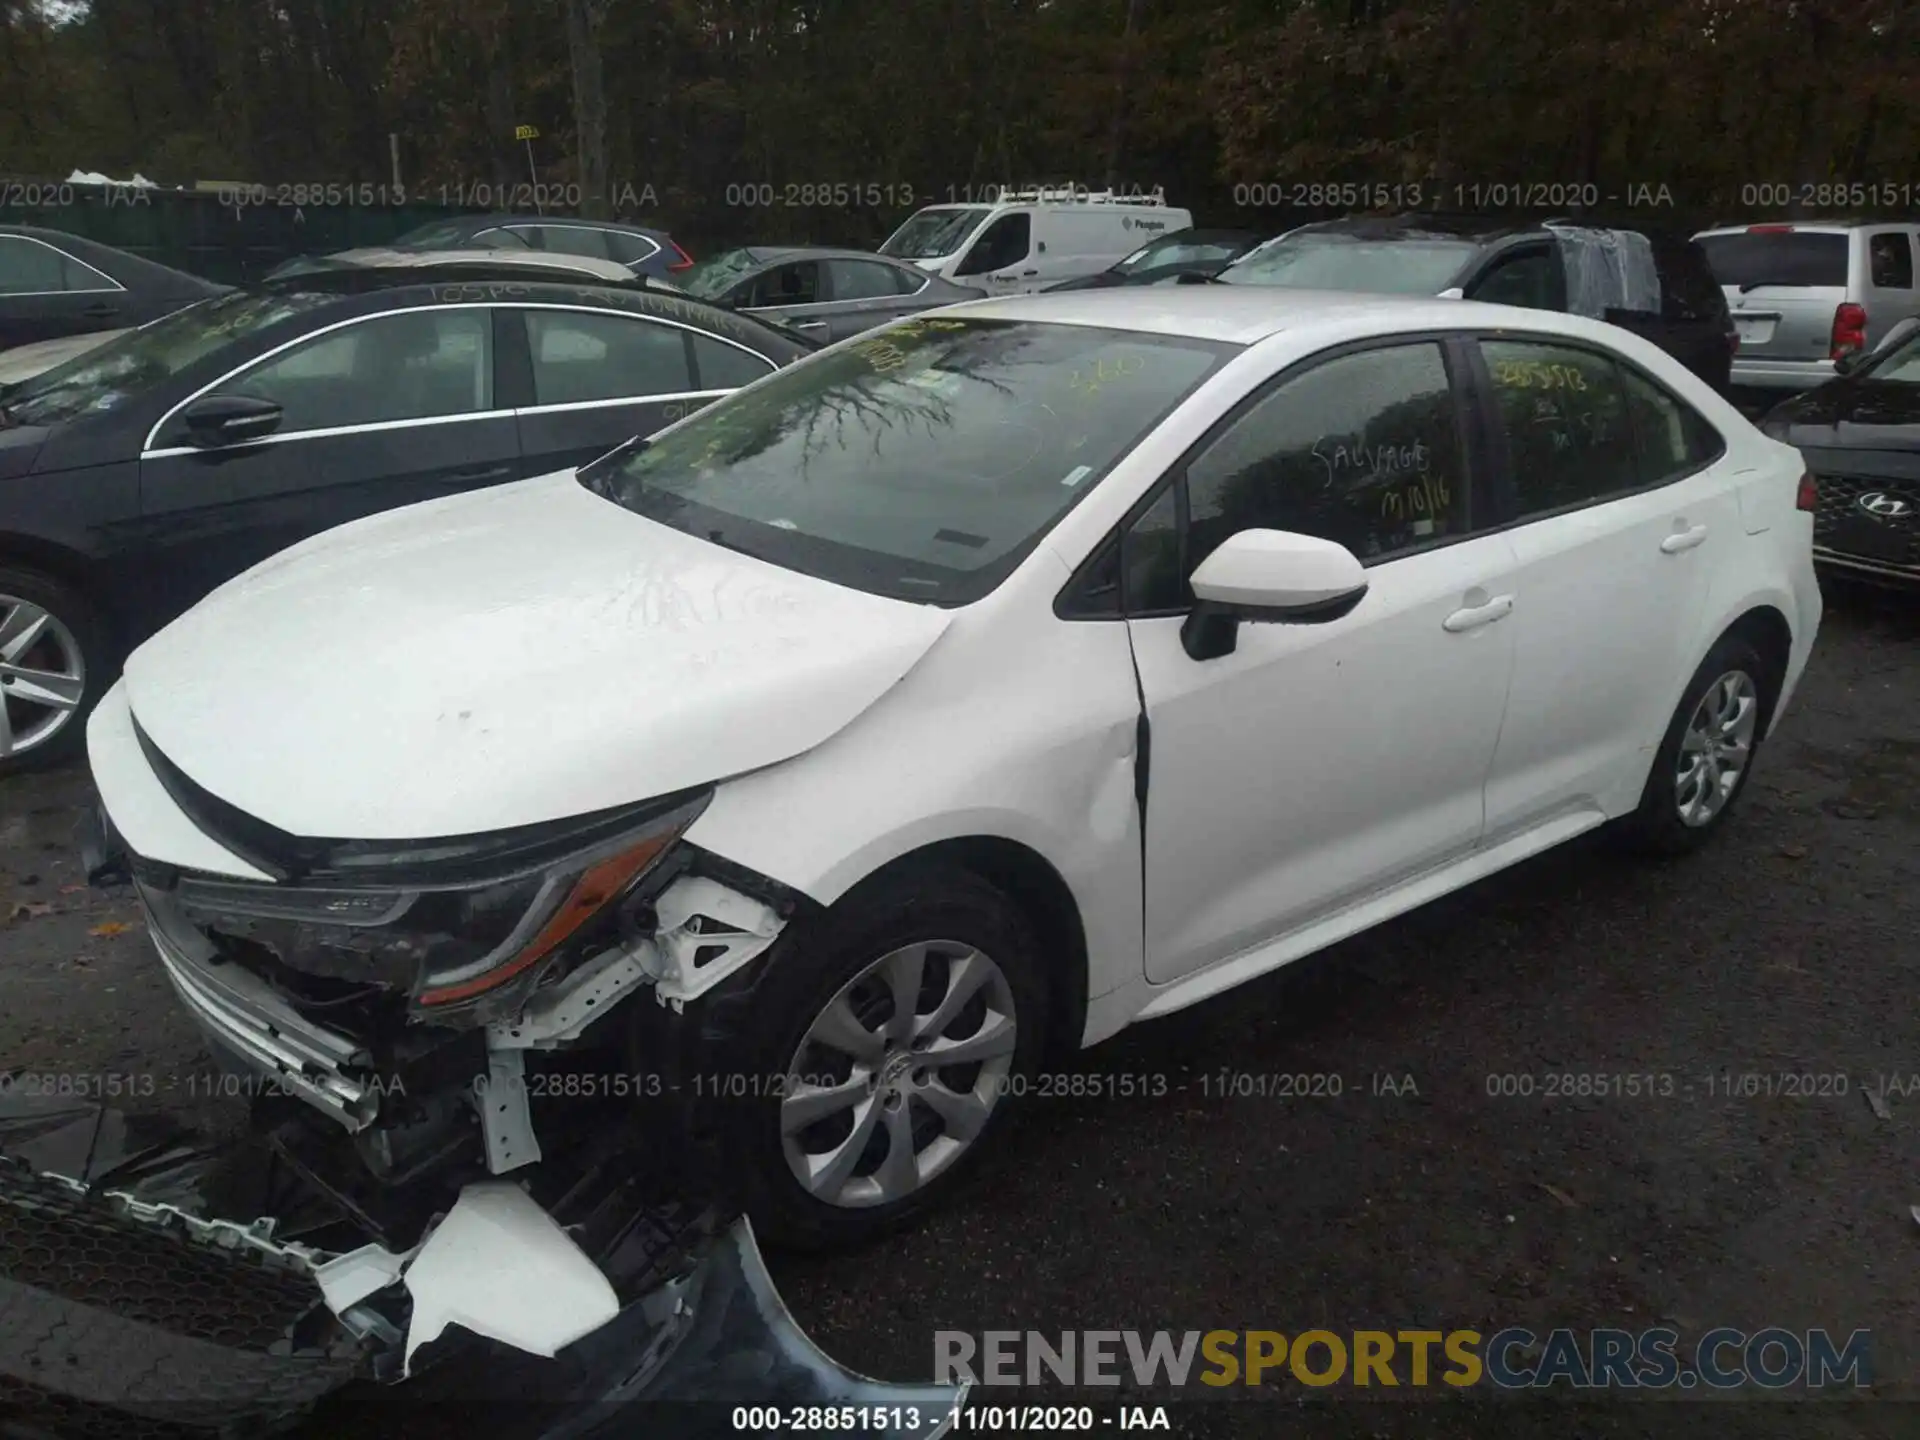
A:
[(815, 773)]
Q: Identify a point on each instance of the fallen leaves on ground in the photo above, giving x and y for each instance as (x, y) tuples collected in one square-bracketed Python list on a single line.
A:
[(111, 927), (29, 910)]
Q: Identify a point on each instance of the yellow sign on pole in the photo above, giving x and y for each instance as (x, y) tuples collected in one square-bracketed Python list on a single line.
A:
[(526, 132)]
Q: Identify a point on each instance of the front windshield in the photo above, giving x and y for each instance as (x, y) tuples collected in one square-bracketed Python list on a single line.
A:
[(921, 463), (1173, 250), (713, 277), (121, 369), (931, 234), (1343, 262)]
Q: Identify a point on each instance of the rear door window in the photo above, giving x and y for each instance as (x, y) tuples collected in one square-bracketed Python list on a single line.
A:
[(578, 356), (1670, 436), (797, 283), (863, 280), (575, 240), (1766, 256), (1563, 412)]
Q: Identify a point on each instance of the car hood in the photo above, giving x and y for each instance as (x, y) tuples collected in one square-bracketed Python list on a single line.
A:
[(23, 362), (507, 657)]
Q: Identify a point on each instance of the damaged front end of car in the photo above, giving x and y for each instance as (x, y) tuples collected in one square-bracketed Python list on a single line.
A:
[(452, 1153)]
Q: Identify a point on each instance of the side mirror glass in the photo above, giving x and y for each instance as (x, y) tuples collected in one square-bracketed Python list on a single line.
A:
[(1269, 575), (215, 420)]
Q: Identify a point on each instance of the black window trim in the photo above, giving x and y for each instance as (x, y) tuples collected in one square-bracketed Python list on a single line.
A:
[(1500, 495), (1456, 353)]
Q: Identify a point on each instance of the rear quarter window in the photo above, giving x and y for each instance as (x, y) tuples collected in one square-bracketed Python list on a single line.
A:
[(1688, 289)]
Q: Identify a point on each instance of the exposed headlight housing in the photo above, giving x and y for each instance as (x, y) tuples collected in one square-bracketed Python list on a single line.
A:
[(461, 926)]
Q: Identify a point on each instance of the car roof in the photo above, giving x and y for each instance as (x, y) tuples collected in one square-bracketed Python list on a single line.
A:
[(763, 253), (1415, 226), (1238, 314), (383, 258), (488, 222)]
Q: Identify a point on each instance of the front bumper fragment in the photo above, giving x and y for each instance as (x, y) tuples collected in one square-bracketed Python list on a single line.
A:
[(246, 1020)]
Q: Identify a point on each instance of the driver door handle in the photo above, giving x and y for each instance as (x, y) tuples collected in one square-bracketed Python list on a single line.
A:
[(808, 326), (100, 311), (1683, 540), (1474, 616), (1026, 273), (482, 473)]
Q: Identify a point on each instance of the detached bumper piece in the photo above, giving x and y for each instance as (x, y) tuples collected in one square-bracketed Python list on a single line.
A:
[(130, 1306)]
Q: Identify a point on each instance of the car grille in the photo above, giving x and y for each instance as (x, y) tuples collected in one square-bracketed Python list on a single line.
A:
[(1841, 526)]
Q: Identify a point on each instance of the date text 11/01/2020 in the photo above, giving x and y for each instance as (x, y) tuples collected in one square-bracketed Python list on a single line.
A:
[(1466, 197)]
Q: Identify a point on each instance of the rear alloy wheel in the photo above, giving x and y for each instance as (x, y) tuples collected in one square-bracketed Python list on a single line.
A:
[(1708, 751), (50, 659)]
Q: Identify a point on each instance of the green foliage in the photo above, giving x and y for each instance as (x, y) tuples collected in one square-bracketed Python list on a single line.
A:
[(1703, 96)]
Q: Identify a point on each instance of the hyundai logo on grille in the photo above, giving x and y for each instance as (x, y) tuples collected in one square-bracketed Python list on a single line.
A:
[(1885, 506)]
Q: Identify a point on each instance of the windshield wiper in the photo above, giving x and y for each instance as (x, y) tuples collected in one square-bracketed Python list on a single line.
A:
[(1756, 284), (596, 474)]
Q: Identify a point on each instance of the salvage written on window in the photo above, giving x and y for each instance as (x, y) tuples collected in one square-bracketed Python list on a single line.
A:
[(1401, 475)]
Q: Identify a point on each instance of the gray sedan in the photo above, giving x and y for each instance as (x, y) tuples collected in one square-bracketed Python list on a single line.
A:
[(825, 294)]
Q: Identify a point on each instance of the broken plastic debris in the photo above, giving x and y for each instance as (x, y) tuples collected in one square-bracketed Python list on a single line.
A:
[(1877, 1103)]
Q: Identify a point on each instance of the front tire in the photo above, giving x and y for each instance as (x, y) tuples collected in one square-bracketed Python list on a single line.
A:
[(54, 666), (1706, 756), (870, 1064)]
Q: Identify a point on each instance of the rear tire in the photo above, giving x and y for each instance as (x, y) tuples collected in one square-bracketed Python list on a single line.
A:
[(56, 661), (1706, 756)]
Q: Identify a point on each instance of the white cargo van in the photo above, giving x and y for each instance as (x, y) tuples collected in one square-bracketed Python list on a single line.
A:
[(1028, 240)]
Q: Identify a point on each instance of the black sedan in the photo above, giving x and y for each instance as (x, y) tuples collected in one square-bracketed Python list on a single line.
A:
[(53, 284), (144, 473), (1860, 434), (1201, 253), (823, 293)]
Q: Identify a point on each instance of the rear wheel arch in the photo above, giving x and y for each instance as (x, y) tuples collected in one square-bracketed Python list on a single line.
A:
[(1766, 628), (67, 567)]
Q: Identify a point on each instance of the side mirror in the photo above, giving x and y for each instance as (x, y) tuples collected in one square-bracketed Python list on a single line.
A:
[(1269, 575), (215, 420)]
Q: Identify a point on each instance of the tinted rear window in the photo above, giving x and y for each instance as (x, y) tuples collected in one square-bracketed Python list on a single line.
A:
[(1688, 289), (1777, 257)]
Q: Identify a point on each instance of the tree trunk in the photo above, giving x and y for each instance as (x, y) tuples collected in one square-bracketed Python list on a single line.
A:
[(1122, 72), (589, 104)]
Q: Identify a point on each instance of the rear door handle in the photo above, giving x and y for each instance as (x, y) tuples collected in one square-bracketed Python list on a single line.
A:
[(101, 311), (809, 326), (1474, 616), (483, 473), (1683, 540)]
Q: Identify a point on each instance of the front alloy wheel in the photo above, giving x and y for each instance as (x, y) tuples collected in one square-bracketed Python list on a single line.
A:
[(858, 1073), (897, 1076)]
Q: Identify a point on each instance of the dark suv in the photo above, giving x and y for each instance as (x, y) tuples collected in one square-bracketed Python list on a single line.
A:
[(1656, 285)]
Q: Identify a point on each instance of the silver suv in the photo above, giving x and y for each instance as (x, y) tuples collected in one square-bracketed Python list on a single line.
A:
[(1804, 294)]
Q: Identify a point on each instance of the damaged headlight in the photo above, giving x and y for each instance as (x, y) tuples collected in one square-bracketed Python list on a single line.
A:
[(454, 924)]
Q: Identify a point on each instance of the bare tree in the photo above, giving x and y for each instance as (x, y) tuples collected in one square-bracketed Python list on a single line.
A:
[(584, 20)]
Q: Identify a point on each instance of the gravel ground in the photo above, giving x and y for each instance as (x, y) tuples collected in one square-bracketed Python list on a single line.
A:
[(1785, 949)]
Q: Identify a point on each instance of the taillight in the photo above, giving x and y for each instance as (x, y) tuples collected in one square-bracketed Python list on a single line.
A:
[(1770, 229), (685, 262), (1849, 330), (1809, 497), (1733, 341)]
